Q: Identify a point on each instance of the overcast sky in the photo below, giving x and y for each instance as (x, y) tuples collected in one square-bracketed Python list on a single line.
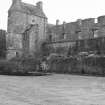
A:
[(64, 10)]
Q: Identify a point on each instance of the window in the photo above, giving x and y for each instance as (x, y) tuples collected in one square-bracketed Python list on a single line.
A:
[(96, 20), (33, 20), (79, 36), (95, 33), (63, 36), (50, 37)]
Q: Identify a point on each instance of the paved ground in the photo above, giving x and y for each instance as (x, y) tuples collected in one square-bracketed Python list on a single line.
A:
[(52, 90)]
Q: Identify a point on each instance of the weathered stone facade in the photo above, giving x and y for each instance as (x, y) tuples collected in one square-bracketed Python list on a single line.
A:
[(89, 34), (81, 29), (26, 27)]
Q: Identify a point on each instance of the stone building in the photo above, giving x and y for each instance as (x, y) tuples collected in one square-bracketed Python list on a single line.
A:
[(81, 29), (26, 28), (78, 30), (87, 33)]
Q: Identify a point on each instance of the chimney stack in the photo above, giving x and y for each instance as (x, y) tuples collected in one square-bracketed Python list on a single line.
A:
[(64, 23), (16, 1), (57, 22), (79, 21), (39, 5)]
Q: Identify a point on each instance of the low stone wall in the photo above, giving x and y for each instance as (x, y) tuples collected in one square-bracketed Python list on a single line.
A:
[(87, 65), (18, 65)]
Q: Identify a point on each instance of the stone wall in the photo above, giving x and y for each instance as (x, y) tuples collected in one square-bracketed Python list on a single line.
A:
[(80, 29), (69, 48), (101, 20), (17, 22), (2, 44), (87, 65)]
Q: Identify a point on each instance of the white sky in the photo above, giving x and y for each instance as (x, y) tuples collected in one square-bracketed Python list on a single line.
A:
[(64, 10)]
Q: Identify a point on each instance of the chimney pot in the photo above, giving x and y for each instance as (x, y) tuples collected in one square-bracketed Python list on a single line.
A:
[(57, 22), (39, 5), (64, 23)]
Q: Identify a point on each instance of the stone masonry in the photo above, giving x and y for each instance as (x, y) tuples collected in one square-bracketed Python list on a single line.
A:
[(85, 34), (80, 29), (26, 28)]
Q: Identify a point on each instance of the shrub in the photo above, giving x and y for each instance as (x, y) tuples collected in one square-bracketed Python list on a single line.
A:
[(22, 65), (84, 65)]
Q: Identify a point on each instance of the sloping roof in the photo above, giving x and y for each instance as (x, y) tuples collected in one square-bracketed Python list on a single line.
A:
[(33, 10)]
